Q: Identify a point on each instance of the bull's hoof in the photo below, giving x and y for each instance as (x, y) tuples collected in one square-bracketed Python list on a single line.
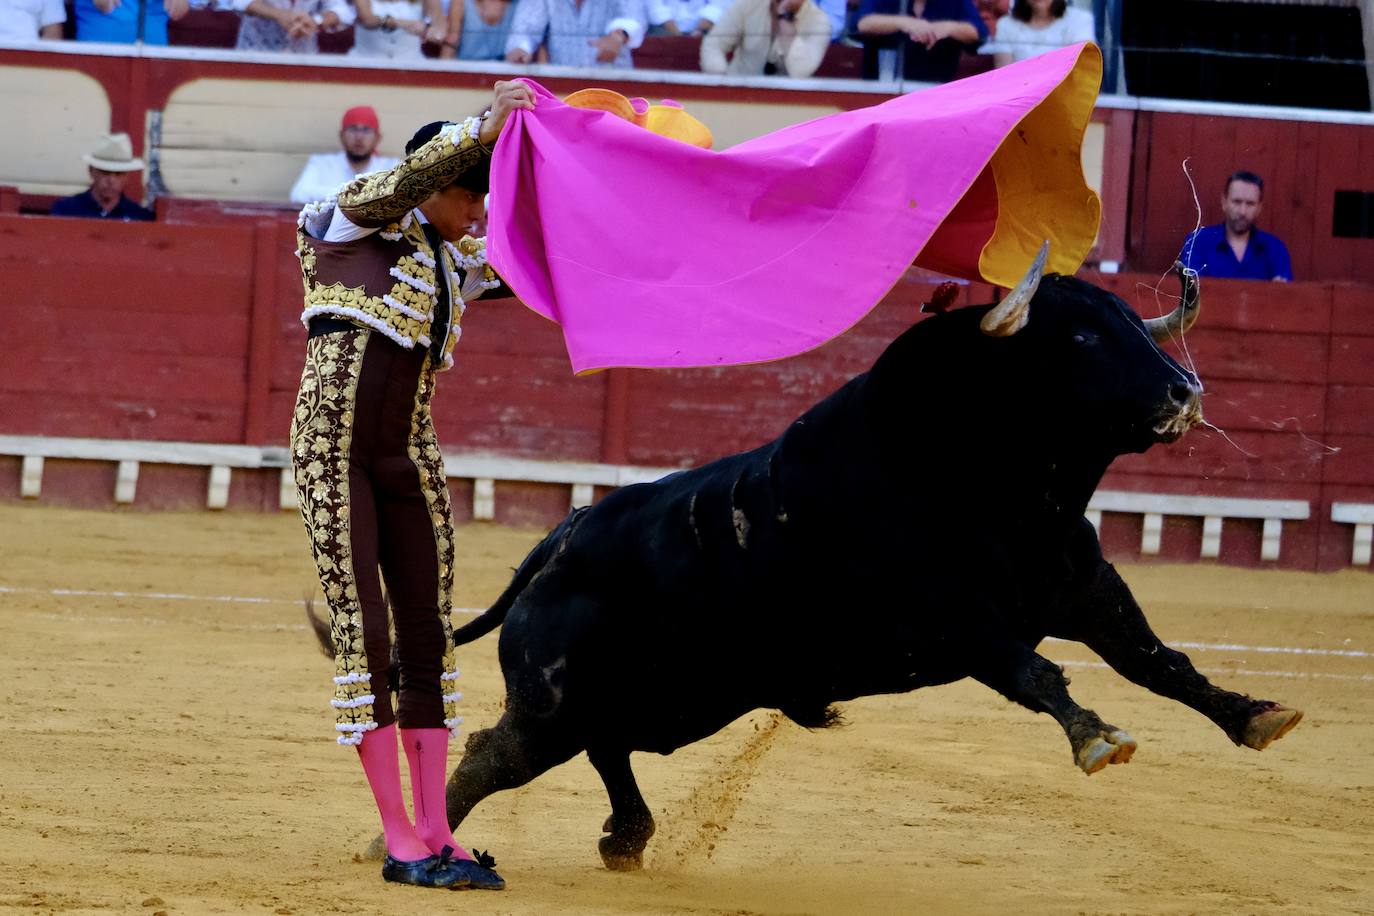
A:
[(376, 850), (616, 855), (1114, 747), (1264, 728)]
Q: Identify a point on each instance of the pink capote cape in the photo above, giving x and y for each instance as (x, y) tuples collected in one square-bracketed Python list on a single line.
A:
[(653, 253)]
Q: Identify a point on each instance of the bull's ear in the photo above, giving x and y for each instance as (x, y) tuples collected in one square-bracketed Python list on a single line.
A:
[(1012, 313)]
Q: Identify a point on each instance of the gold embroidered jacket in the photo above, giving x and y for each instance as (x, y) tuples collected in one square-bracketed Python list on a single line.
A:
[(386, 280)]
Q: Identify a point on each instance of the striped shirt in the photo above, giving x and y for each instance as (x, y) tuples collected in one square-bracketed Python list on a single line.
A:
[(569, 29)]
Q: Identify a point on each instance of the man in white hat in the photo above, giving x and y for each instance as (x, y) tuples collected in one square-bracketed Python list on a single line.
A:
[(111, 163)]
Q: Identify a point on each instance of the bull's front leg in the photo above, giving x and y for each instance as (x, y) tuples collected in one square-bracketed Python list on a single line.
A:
[(1107, 619), (1014, 670)]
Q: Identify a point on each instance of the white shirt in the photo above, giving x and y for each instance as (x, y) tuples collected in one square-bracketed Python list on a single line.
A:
[(1021, 41), (396, 44), (20, 20), (325, 173), (686, 13), (259, 34)]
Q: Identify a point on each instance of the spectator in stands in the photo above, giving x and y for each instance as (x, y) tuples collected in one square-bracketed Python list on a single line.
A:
[(684, 17), (593, 33), (110, 163), (768, 36), (1036, 26), (1235, 248), (288, 25), (992, 10), (396, 29), (118, 21), (918, 40), (29, 20), (325, 173), (478, 29)]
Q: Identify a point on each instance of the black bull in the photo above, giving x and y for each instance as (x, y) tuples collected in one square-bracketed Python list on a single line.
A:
[(922, 524)]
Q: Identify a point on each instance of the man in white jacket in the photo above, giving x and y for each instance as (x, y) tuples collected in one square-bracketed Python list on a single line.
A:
[(325, 173), (788, 37)]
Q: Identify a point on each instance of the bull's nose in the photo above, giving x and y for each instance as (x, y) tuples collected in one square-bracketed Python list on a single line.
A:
[(1184, 393)]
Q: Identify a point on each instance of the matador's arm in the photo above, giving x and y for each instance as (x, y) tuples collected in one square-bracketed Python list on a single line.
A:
[(384, 197)]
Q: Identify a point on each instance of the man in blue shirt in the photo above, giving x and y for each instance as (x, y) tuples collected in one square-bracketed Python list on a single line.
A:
[(1235, 248), (110, 166)]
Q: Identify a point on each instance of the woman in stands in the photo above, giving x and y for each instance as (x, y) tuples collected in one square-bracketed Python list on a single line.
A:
[(387, 267), (396, 29), (1036, 26), (478, 29)]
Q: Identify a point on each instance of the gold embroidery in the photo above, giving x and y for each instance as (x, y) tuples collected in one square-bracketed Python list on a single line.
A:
[(382, 197), (429, 463), (405, 312), (321, 436), (307, 256), (338, 294)]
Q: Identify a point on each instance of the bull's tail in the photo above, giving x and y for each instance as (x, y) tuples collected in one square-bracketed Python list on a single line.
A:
[(323, 633), (320, 626), (533, 564)]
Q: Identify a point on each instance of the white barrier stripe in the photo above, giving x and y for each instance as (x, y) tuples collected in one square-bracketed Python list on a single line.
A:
[(472, 611), (214, 627), (1233, 647), (159, 596), (173, 596), (1237, 647), (1296, 675)]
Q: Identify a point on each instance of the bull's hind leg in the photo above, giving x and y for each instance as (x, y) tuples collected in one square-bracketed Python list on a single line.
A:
[(1110, 623), (631, 823), (509, 754), (1019, 674)]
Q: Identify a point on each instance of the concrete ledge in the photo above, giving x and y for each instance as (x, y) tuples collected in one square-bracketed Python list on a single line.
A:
[(1361, 515), (1213, 510)]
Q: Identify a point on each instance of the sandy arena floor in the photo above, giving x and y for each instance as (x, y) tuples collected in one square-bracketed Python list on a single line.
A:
[(172, 753)]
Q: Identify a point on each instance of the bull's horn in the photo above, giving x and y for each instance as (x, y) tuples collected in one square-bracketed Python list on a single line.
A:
[(1181, 318), (1012, 313)]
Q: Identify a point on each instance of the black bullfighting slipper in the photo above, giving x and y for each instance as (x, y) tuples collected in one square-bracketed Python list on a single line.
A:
[(479, 872), (436, 871)]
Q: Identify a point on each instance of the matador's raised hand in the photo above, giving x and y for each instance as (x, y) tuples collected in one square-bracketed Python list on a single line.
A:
[(507, 96)]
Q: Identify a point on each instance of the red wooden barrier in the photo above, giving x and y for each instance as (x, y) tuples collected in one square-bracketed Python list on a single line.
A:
[(190, 332)]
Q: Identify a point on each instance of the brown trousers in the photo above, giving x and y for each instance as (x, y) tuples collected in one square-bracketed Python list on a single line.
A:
[(372, 492)]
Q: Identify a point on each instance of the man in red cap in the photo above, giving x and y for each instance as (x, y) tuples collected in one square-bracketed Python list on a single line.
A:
[(325, 173)]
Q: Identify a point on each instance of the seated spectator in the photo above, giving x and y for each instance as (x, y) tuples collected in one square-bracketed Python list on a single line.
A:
[(992, 10), (594, 33), (116, 21), (477, 29), (684, 17), (917, 39), (768, 36), (396, 29), (840, 13), (30, 20), (288, 25), (110, 165), (1234, 247), (325, 173), (1036, 26)]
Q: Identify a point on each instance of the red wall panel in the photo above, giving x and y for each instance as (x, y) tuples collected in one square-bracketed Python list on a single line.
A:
[(1352, 309), (198, 340), (1352, 360)]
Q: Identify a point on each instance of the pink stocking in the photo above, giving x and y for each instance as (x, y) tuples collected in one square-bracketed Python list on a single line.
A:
[(378, 755), (427, 753)]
